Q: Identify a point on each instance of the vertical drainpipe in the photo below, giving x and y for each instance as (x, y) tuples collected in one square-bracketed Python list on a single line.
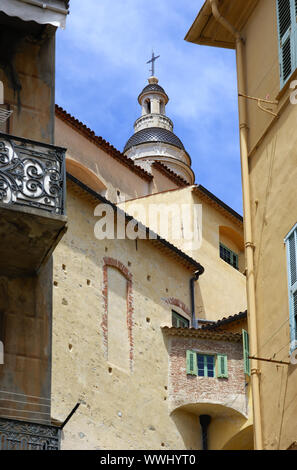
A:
[(204, 422), (192, 292), (249, 246)]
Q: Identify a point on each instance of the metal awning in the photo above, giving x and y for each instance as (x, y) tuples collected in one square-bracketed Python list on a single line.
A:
[(52, 12)]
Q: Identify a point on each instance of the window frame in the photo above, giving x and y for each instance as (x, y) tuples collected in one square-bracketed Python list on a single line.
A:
[(232, 254), (292, 288), (179, 317), (290, 34), (205, 365), (193, 369)]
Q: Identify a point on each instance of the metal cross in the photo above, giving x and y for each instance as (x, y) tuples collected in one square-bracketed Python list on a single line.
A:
[(152, 61)]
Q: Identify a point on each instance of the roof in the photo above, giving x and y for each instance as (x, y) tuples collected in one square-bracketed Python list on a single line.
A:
[(225, 321), (154, 134), (201, 334), (206, 30), (154, 238), (179, 180), (203, 192), (152, 87), (101, 143)]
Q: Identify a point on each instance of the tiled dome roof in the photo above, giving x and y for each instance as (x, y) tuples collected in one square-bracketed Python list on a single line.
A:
[(154, 134), (151, 88)]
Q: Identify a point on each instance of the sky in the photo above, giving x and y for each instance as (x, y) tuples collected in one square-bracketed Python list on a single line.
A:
[(101, 68)]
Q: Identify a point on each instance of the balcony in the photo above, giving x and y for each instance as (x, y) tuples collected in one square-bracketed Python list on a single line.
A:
[(21, 435), (32, 203)]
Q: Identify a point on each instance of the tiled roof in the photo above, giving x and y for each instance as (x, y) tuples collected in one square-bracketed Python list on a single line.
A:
[(202, 191), (164, 245), (154, 134), (171, 174), (101, 143), (202, 334), (225, 321), (151, 88)]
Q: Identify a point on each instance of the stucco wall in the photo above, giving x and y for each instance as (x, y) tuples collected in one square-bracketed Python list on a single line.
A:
[(273, 174), (221, 290), (120, 409)]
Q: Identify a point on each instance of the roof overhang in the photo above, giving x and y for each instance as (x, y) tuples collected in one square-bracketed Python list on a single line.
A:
[(207, 31), (52, 12)]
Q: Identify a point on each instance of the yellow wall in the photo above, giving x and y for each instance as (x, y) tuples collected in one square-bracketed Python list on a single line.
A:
[(273, 175), (121, 409), (221, 289)]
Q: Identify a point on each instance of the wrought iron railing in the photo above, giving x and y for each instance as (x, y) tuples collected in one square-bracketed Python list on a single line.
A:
[(32, 174), (21, 435)]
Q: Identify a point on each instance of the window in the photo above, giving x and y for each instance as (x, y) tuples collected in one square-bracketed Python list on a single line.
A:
[(207, 365), (287, 37), (229, 256), (178, 321), (291, 243)]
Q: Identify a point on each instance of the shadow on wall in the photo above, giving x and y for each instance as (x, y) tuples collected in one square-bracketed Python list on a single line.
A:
[(189, 429)]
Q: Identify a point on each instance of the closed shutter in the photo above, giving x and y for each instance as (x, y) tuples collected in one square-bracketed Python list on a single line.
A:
[(246, 352), (286, 19), (192, 363), (222, 364), (291, 243)]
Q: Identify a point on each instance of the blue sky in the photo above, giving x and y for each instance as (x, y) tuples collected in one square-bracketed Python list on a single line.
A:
[(101, 68)]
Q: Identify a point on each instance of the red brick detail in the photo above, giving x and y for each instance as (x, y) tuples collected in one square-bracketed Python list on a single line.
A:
[(111, 262), (187, 389), (178, 303)]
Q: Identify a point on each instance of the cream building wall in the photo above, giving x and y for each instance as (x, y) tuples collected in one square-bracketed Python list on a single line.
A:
[(221, 290), (272, 144), (273, 176), (122, 406)]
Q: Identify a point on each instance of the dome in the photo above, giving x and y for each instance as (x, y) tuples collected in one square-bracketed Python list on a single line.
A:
[(154, 134), (152, 88)]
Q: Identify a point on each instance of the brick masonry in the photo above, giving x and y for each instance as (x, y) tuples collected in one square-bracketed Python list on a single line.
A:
[(178, 303), (188, 389), (111, 262)]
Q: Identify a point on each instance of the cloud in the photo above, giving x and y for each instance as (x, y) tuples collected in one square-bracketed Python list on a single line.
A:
[(101, 68)]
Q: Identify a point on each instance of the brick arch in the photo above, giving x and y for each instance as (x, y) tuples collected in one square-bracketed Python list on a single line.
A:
[(114, 263), (178, 303)]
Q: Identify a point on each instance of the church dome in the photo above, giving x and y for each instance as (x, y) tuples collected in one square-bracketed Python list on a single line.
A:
[(154, 134), (151, 88)]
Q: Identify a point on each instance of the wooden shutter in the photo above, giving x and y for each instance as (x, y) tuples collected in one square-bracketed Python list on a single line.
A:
[(192, 363), (286, 19), (246, 352), (222, 364), (291, 243)]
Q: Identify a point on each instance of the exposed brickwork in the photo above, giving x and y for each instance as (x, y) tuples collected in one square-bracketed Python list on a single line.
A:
[(111, 262), (178, 303), (187, 389)]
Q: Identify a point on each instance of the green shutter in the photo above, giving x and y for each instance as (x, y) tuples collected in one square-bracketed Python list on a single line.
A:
[(192, 363), (246, 352), (222, 364), (286, 22), (291, 242)]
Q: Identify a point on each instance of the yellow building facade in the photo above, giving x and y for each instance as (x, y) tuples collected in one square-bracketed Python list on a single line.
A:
[(264, 36)]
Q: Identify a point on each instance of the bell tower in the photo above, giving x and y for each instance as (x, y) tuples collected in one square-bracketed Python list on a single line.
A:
[(153, 139)]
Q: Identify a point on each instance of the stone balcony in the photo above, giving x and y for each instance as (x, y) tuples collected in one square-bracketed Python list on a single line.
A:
[(32, 203), (22, 435)]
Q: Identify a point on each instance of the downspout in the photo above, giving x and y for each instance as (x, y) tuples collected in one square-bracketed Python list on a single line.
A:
[(204, 422), (192, 293), (249, 246)]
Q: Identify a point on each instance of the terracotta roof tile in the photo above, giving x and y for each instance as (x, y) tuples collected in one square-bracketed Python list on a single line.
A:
[(200, 333), (224, 321), (101, 143)]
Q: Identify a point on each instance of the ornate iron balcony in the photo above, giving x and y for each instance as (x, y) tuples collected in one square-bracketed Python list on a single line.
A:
[(21, 435), (32, 174)]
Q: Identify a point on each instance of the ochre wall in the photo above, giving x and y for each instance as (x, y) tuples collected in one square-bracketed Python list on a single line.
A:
[(273, 175), (221, 290), (81, 369)]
